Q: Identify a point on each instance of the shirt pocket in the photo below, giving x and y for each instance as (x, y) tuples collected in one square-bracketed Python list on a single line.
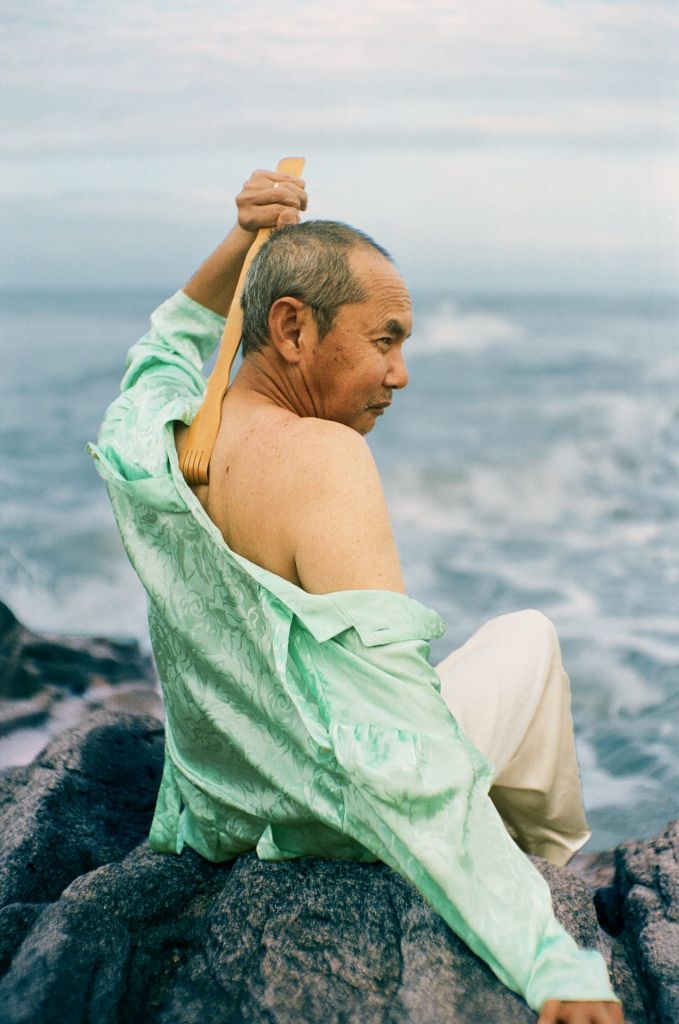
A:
[(397, 766)]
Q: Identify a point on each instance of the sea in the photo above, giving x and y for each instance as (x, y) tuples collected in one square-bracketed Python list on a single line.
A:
[(532, 462)]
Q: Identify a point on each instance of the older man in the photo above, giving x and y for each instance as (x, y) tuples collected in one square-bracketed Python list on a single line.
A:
[(303, 717)]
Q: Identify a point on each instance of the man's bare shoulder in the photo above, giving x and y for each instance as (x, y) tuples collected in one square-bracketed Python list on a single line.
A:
[(329, 451), (343, 538)]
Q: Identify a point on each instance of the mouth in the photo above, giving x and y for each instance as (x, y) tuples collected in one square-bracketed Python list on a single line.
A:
[(381, 406)]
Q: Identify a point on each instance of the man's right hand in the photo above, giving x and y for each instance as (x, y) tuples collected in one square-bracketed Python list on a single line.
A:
[(270, 200), (260, 205), (557, 1011)]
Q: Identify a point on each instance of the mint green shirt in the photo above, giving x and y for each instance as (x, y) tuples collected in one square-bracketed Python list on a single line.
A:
[(301, 724)]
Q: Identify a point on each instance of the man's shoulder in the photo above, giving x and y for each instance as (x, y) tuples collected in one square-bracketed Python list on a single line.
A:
[(341, 535), (302, 497), (328, 431), (331, 451), (333, 478)]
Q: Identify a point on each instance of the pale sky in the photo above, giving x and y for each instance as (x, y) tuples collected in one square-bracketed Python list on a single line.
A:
[(489, 144)]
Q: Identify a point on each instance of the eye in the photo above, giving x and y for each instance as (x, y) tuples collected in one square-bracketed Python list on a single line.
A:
[(383, 341)]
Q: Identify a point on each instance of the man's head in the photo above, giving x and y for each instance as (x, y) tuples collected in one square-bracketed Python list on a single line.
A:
[(328, 301), (309, 262)]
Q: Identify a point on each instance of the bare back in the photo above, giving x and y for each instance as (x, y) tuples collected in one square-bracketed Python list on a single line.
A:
[(300, 497)]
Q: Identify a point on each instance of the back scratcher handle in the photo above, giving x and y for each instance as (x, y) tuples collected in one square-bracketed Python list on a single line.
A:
[(194, 458)]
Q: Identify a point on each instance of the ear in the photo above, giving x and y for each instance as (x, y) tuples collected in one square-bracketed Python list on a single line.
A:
[(290, 325)]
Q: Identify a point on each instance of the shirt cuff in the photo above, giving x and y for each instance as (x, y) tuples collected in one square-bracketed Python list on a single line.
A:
[(567, 972), (197, 308)]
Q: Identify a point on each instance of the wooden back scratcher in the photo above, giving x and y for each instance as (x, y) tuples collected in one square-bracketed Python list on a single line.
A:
[(194, 457)]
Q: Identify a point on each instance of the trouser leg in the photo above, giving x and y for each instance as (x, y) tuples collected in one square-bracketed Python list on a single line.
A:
[(508, 690)]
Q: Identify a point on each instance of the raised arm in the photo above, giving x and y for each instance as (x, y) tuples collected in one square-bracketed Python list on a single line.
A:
[(186, 328), (268, 199)]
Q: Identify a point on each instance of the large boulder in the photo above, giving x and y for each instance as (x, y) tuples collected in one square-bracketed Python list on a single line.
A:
[(96, 927), (641, 908)]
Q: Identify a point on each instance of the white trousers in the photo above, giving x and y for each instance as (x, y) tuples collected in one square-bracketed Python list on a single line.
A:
[(510, 694)]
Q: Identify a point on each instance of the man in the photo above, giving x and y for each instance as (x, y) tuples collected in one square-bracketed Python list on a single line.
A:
[(302, 714)]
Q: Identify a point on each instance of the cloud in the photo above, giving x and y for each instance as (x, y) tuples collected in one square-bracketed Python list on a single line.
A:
[(152, 77), (521, 143)]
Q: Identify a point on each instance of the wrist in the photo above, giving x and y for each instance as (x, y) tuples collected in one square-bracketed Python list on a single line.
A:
[(242, 236)]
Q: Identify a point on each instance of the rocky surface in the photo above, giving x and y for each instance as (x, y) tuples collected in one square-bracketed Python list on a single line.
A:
[(95, 927), (641, 909), (49, 681)]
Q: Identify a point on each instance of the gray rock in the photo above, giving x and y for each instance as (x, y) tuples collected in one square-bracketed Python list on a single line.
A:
[(49, 682), (85, 801), (96, 927), (18, 714), (642, 907), (30, 662)]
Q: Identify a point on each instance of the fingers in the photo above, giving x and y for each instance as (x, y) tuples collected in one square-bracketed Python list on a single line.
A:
[(273, 215), (270, 215), (265, 181), (270, 199), (287, 216), (278, 193), (257, 177), (549, 1013), (290, 179), (556, 1012)]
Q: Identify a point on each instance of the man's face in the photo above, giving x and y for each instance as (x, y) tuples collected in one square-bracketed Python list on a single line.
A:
[(354, 369)]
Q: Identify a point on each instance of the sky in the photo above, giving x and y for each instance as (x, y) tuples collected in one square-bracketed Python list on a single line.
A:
[(528, 145)]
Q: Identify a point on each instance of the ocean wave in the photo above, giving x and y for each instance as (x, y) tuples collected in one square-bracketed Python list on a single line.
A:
[(601, 788), (540, 491), (449, 328), (109, 602)]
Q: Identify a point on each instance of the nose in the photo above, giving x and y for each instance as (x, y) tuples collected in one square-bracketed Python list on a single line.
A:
[(397, 374)]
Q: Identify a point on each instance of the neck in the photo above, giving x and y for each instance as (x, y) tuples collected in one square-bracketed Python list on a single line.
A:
[(258, 381)]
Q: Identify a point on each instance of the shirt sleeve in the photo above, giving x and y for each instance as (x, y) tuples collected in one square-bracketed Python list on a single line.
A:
[(416, 794), (183, 334), (163, 381)]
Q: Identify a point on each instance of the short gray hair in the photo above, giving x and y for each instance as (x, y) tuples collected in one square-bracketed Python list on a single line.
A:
[(309, 262)]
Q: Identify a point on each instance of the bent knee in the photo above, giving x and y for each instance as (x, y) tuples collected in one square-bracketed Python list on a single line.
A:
[(535, 629), (539, 623)]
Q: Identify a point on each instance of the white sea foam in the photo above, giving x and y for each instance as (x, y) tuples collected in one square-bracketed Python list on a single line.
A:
[(624, 689), (449, 328), (111, 603), (628, 635), (601, 788), (653, 635), (538, 492)]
